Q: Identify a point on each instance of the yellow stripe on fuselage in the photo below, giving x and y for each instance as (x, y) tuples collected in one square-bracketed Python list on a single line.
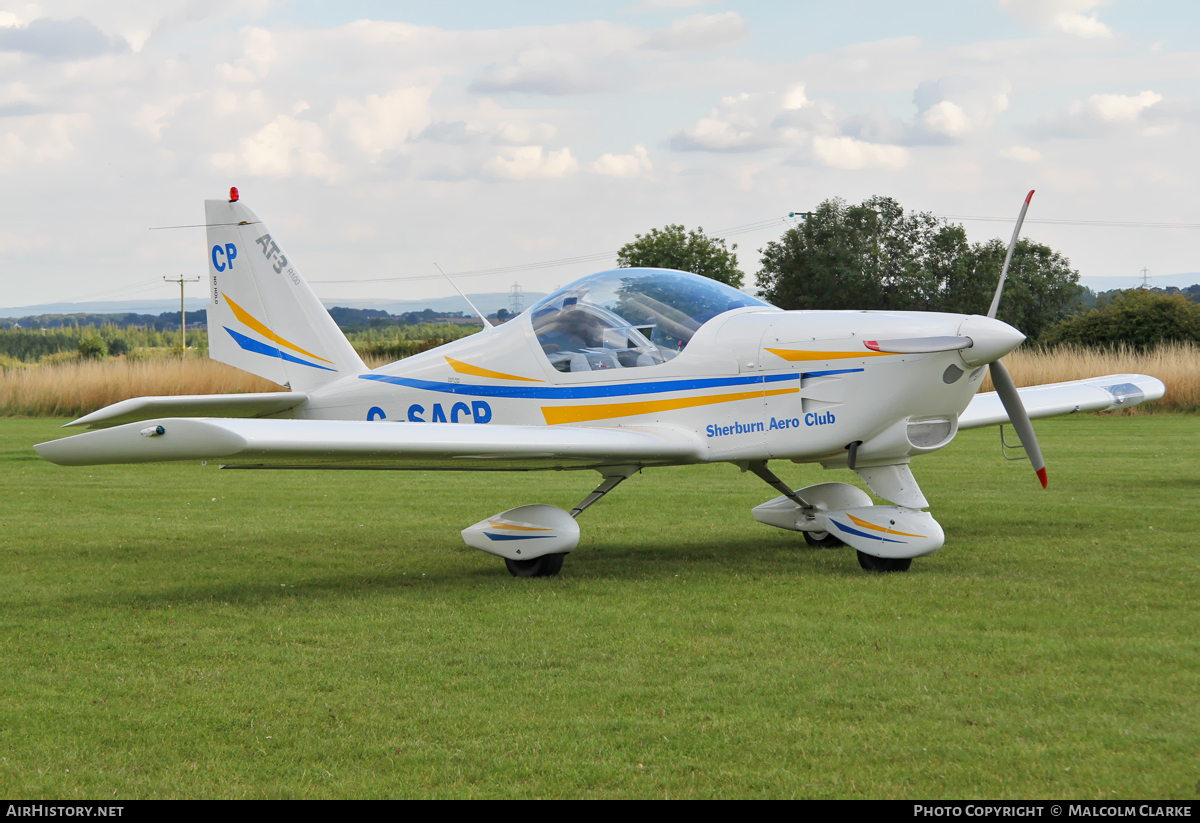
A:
[(867, 525), (496, 524), (467, 368), (556, 415), (249, 319), (792, 355)]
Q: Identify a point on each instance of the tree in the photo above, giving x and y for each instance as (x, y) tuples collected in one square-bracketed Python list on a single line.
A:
[(92, 347), (875, 256), (1138, 317), (673, 247)]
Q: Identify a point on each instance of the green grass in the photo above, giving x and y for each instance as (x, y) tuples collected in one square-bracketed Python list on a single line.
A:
[(329, 635)]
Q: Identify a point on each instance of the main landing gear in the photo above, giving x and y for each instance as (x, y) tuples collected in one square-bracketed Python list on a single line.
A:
[(534, 540)]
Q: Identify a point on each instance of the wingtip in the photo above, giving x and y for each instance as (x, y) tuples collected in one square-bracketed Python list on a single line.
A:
[(1029, 196), (1041, 473)]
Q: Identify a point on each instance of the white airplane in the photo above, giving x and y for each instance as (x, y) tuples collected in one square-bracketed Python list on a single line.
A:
[(617, 372)]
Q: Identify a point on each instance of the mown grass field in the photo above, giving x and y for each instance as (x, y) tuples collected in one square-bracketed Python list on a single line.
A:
[(329, 635)]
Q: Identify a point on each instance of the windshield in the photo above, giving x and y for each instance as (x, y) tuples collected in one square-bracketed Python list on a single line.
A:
[(629, 317)]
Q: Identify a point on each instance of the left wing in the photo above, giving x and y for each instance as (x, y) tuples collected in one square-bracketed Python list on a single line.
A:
[(191, 405), (356, 444), (1114, 391)]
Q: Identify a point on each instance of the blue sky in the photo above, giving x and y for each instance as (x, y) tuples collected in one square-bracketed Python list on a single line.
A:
[(377, 138)]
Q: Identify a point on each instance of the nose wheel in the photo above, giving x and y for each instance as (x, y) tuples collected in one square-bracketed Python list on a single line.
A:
[(884, 564), (548, 565)]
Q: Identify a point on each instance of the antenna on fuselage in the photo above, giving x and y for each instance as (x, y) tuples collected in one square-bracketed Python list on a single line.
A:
[(482, 316)]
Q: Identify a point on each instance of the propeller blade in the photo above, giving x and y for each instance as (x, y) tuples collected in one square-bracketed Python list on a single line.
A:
[(1012, 244), (1007, 390)]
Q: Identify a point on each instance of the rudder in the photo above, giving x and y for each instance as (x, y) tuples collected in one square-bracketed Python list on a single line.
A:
[(262, 317)]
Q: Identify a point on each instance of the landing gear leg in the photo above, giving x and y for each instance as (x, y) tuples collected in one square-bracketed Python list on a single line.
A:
[(613, 477), (549, 565), (823, 540)]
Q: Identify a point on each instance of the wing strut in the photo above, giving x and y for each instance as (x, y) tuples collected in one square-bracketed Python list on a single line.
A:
[(613, 477), (759, 467)]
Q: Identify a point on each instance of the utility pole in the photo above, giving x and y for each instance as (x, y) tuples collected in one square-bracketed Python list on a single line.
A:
[(182, 313)]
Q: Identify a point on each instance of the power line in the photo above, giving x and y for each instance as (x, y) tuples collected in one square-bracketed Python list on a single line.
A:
[(565, 261), (1117, 223)]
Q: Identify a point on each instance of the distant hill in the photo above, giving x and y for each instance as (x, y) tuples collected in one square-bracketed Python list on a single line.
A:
[(488, 303), (1103, 284)]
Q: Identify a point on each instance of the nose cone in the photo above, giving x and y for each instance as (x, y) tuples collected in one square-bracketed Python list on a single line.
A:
[(991, 339)]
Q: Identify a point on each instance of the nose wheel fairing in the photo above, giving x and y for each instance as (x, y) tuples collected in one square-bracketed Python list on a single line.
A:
[(846, 512)]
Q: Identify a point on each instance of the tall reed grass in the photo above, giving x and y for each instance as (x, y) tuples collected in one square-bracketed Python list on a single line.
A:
[(78, 387), (1176, 364), (73, 388)]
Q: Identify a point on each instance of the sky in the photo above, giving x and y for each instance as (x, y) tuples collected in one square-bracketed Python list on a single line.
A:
[(376, 139)]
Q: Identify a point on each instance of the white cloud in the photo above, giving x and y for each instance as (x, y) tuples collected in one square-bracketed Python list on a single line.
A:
[(954, 108), (745, 122), (848, 153), (660, 5), (283, 147), (150, 116), (1066, 16), (1101, 114), (383, 122), (22, 244), (542, 70), (259, 52), (531, 163), (1022, 154), (520, 134), (1120, 108), (624, 165), (700, 31), (47, 138)]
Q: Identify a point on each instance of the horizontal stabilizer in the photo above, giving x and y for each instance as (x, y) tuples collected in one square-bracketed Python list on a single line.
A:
[(357, 444), (191, 405), (1114, 391)]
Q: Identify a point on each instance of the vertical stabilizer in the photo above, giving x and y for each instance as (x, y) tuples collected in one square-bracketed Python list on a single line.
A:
[(262, 317)]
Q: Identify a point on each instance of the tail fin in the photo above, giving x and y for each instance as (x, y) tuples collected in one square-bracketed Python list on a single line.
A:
[(262, 317)]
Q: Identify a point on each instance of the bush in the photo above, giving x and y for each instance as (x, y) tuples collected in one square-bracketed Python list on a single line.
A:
[(92, 347), (1138, 318), (118, 346)]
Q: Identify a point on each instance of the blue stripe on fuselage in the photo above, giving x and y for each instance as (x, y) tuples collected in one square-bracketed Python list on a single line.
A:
[(579, 392), (491, 536), (829, 373)]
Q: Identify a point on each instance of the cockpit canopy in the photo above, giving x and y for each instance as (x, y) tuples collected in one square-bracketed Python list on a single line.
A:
[(629, 317)]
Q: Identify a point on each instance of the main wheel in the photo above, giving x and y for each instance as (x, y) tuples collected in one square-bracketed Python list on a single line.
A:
[(547, 565), (884, 564), (822, 540)]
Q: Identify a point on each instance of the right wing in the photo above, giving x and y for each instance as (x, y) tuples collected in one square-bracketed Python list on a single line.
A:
[(1114, 391), (356, 444)]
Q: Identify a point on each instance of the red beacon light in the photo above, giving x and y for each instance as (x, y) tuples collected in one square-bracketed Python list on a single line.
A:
[(233, 194)]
